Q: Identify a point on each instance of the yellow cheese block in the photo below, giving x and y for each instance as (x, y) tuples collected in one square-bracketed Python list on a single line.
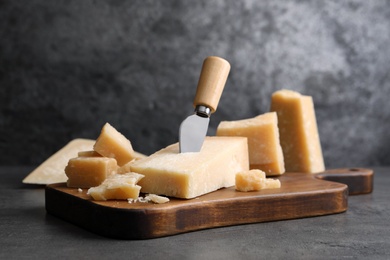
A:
[(52, 169), (188, 175), (265, 152), (113, 144), (299, 136), (255, 180), (86, 172), (117, 186)]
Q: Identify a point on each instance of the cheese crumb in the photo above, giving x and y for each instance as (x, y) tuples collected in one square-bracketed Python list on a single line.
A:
[(149, 198), (157, 199)]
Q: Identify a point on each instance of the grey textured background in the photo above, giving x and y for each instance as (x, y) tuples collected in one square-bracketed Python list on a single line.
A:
[(67, 67)]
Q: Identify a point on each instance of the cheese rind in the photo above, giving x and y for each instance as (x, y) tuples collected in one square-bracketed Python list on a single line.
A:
[(188, 175), (117, 186), (265, 151), (86, 172), (113, 144), (299, 136)]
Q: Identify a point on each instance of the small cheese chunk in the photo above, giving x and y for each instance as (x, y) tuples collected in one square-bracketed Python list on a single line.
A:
[(255, 180), (117, 186), (265, 152), (250, 180), (113, 144), (188, 175), (86, 172), (89, 154), (272, 183), (157, 199), (299, 136)]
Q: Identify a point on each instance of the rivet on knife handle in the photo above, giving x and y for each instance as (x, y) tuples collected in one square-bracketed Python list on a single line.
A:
[(211, 83)]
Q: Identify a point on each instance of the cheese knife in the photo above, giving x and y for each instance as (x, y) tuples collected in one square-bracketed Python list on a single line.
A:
[(193, 129)]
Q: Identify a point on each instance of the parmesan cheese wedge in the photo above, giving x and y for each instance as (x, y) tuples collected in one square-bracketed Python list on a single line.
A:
[(265, 152), (188, 175), (52, 169), (113, 144), (299, 136)]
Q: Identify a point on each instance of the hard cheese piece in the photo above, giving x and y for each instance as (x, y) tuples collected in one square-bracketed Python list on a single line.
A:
[(113, 144), (255, 180), (265, 152), (188, 175), (52, 170), (250, 180), (86, 172), (117, 186), (298, 131), (272, 183)]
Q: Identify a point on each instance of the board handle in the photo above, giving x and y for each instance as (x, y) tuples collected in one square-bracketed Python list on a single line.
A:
[(358, 180), (212, 80)]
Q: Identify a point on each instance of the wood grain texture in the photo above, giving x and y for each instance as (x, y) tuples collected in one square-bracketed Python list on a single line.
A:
[(212, 80), (301, 195), (358, 180)]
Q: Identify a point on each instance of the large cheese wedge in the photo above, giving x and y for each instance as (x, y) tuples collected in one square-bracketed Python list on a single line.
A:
[(52, 169), (113, 144), (188, 175), (86, 172), (298, 130), (265, 152), (117, 186)]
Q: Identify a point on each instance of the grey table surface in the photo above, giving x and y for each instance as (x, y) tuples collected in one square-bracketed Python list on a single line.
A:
[(363, 231)]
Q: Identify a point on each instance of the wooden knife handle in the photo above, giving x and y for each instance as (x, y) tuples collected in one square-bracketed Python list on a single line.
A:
[(213, 76)]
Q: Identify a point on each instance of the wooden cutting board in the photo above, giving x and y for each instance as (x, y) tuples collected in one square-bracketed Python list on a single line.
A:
[(301, 195)]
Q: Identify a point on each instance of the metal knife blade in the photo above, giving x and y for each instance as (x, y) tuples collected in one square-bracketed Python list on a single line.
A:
[(211, 83), (192, 132)]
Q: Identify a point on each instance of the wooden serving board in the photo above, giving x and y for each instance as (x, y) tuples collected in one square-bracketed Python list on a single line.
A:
[(301, 195)]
